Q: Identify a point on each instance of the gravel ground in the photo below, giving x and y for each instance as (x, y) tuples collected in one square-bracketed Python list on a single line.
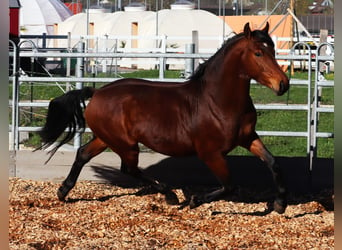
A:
[(103, 216)]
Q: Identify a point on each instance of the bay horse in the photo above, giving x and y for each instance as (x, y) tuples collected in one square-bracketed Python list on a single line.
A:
[(207, 115)]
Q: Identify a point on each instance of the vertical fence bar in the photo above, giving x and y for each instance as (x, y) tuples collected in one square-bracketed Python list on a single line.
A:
[(317, 97), (162, 59), (116, 59), (68, 61), (313, 152), (15, 98), (195, 41), (190, 62), (309, 109), (79, 85)]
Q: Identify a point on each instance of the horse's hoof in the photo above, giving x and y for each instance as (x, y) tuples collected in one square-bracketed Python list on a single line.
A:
[(194, 202), (279, 206), (171, 198), (60, 194)]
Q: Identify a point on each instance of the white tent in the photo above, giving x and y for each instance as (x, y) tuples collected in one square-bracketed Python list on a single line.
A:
[(181, 22), (121, 25), (178, 24), (112, 31), (172, 23), (39, 16), (76, 25)]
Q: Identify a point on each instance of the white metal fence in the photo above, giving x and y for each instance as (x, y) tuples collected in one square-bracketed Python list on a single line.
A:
[(312, 107)]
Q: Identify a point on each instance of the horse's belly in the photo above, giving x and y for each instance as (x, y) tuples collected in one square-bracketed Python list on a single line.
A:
[(169, 142), (119, 129)]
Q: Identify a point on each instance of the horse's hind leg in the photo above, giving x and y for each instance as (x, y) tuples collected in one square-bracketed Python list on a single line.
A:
[(219, 167), (84, 154), (259, 149), (129, 165)]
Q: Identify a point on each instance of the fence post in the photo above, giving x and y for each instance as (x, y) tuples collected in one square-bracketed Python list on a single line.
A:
[(68, 61), (195, 41), (316, 105), (116, 59), (15, 98), (44, 41), (162, 59), (79, 85), (322, 52), (189, 62)]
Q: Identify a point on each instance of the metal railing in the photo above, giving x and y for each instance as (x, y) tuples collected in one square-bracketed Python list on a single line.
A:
[(313, 108), (317, 106)]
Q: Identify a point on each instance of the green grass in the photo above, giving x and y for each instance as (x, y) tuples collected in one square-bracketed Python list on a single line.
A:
[(151, 74), (267, 120)]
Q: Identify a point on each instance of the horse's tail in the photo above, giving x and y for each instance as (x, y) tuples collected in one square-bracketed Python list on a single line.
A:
[(64, 112)]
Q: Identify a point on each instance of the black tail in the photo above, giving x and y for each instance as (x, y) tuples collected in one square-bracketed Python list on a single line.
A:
[(65, 111)]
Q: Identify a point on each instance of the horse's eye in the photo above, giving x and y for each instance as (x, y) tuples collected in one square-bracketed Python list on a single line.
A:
[(258, 53)]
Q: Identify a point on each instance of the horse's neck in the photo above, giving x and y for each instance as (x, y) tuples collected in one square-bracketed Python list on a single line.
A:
[(228, 85)]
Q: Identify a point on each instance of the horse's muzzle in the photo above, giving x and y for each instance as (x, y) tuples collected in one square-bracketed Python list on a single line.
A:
[(283, 87)]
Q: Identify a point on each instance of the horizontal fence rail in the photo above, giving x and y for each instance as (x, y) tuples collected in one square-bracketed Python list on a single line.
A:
[(311, 107)]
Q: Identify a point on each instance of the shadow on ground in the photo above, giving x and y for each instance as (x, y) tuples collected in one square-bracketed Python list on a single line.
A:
[(251, 180)]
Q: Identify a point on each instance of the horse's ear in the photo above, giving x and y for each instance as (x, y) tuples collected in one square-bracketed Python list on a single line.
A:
[(265, 30), (247, 30)]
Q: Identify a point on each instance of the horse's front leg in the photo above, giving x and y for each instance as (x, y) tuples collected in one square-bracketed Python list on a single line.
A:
[(219, 167), (258, 148)]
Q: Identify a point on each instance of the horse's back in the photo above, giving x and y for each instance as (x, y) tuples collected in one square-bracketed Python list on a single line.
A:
[(156, 114), (145, 96)]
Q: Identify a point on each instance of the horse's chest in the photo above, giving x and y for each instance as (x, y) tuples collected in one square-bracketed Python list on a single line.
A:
[(235, 125)]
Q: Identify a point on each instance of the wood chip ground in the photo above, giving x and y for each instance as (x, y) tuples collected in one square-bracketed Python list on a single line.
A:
[(103, 216)]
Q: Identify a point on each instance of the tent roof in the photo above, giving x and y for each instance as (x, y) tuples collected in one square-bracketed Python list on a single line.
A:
[(206, 23), (119, 23), (171, 22), (77, 24), (39, 16)]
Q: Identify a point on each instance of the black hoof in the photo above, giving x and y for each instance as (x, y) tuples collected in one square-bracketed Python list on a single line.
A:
[(62, 193), (195, 202), (171, 198), (279, 206)]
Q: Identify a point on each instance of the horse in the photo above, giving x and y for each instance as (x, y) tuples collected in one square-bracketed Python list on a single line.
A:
[(208, 115)]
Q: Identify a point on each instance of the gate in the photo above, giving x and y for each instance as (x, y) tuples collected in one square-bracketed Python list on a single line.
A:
[(318, 107)]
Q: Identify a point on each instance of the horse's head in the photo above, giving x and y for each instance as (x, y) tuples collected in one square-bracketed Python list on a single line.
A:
[(259, 60)]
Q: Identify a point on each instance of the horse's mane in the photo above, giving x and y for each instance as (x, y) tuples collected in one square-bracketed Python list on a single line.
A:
[(200, 71)]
